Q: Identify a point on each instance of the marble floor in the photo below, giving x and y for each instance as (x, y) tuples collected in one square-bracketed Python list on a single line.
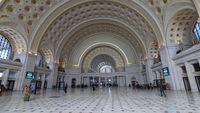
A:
[(105, 100)]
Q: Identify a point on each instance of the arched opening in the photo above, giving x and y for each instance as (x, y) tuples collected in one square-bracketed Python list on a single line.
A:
[(73, 84), (180, 29), (103, 64), (106, 69), (17, 60)]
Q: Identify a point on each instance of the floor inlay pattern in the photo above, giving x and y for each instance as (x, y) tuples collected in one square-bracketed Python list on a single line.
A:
[(105, 100)]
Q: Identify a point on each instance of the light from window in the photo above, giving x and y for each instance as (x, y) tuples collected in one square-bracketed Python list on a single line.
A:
[(1, 74), (5, 48), (106, 69), (196, 30)]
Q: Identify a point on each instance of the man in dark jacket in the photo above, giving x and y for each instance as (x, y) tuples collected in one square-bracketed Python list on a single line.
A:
[(65, 89), (162, 89)]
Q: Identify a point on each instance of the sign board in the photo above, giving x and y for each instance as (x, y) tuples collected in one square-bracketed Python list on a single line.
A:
[(29, 75), (165, 71)]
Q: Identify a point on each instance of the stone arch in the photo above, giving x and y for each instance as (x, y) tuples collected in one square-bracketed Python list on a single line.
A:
[(179, 30), (102, 26), (17, 60), (180, 18), (102, 50), (16, 39), (53, 14), (76, 61), (47, 54)]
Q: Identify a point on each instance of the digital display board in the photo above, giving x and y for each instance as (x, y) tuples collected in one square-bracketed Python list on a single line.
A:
[(165, 71), (29, 75)]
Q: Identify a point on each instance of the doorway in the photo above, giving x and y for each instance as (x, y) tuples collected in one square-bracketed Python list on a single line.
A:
[(38, 84), (186, 83), (10, 85), (73, 83), (197, 78), (45, 85)]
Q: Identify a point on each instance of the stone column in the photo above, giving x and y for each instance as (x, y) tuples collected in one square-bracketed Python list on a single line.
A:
[(99, 80), (180, 77), (158, 74), (191, 77), (29, 65), (37, 76), (149, 72), (5, 77), (17, 82), (43, 80), (52, 79), (199, 61), (166, 54)]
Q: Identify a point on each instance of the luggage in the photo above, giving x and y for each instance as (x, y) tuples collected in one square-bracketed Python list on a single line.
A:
[(27, 97)]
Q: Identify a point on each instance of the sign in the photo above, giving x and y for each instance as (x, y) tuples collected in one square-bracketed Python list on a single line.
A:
[(29, 75), (165, 71)]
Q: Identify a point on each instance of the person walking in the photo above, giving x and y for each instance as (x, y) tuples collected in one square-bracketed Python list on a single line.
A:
[(0, 90), (26, 93), (162, 90), (65, 89), (93, 87)]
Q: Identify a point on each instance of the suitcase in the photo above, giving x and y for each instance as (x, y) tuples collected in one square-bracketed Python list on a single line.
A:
[(26, 97)]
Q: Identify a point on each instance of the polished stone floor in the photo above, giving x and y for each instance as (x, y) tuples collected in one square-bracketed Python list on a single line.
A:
[(105, 100)]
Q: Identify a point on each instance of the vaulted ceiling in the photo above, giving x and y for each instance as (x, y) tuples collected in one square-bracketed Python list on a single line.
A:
[(58, 28)]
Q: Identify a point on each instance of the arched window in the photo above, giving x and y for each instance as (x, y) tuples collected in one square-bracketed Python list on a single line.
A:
[(196, 30), (5, 48), (106, 69)]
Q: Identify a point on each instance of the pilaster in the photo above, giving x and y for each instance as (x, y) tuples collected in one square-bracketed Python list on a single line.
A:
[(191, 77)]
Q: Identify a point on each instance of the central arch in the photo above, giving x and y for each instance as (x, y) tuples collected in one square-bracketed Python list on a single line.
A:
[(54, 18), (110, 54)]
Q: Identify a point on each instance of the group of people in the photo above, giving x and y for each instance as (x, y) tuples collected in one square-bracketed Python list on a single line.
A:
[(162, 87)]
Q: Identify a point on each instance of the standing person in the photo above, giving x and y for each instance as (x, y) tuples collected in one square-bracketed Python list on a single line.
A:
[(0, 90), (65, 89), (162, 92), (93, 87), (26, 93), (25, 90)]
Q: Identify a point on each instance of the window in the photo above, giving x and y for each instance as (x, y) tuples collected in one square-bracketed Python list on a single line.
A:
[(106, 69), (184, 69), (196, 30), (196, 67), (1, 74), (5, 48)]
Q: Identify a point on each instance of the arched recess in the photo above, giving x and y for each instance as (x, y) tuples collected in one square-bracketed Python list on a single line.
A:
[(126, 11), (101, 39), (90, 55), (97, 26), (17, 41), (179, 30), (179, 22), (103, 64), (47, 54)]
